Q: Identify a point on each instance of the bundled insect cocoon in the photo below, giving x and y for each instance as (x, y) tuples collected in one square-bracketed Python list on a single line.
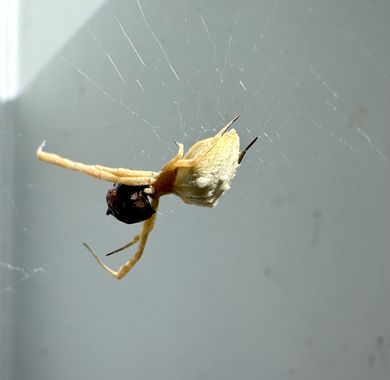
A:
[(204, 183)]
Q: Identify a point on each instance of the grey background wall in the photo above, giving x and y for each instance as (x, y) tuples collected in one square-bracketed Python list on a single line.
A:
[(287, 278)]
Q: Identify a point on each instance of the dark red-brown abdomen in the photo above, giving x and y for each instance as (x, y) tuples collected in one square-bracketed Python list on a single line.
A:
[(129, 204)]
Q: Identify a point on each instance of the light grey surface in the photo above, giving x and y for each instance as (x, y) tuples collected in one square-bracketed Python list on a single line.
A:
[(287, 278), (45, 26)]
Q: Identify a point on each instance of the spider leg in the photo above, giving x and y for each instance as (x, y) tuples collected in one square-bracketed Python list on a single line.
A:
[(178, 156), (118, 175), (143, 237), (188, 162), (179, 162), (129, 244)]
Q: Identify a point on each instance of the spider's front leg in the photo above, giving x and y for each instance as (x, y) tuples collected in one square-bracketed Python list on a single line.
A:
[(116, 175), (141, 239)]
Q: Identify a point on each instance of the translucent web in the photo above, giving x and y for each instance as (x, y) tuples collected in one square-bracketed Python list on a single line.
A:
[(182, 72)]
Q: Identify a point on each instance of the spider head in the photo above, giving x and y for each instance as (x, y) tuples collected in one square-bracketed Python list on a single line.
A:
[(129, 204)]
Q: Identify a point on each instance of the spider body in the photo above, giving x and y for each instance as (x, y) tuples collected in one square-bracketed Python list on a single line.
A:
[(129, 204), (199, 177)]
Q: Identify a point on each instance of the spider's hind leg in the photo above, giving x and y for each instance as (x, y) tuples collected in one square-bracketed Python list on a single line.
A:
[(141, 239)]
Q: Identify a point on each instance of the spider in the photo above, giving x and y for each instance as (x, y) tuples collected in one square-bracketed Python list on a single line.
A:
[(199, 177)]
